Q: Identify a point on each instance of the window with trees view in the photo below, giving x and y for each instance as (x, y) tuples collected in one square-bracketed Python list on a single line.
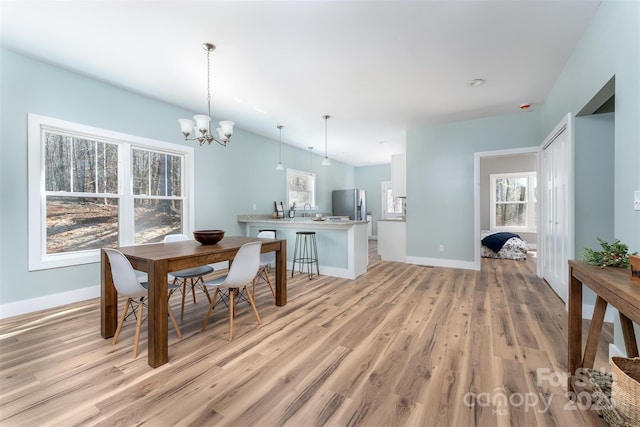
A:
[(92, 188), (301, 188), (391, 205), (513, 202)]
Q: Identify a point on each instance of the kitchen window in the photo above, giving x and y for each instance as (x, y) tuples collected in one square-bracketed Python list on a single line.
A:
[(301, 188), (513, 202), (91, 188), (392, 207)]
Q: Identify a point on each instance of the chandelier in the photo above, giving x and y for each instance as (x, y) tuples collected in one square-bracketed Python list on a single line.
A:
[(201, 124)]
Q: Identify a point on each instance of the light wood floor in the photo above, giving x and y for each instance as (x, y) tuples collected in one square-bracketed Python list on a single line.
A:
[(403, 345)]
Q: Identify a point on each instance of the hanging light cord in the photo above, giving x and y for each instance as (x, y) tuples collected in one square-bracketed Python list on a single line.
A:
[(209, 86), (325, 135), (325, 161), (280, 157)]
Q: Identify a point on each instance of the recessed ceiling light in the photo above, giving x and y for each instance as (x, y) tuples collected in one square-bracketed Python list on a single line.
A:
[(476, 82)]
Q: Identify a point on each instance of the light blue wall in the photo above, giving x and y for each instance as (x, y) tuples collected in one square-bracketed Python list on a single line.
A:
[(440, 179), (440, 158), (594, 191), (370, 178), (228, 181), (609, 47)]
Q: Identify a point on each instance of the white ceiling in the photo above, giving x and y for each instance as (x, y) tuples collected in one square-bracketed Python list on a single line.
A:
[(377, 67)]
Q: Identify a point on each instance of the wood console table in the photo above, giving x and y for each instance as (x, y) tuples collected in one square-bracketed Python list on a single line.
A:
[(612, 286)]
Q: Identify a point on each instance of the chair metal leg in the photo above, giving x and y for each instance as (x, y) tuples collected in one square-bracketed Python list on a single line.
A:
[(184, 292), (315, 254), (204, 289), (295, 251), (264, 274), (193, 291)]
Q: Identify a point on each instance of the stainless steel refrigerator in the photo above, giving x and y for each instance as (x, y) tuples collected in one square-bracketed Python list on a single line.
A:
[(352, 203)]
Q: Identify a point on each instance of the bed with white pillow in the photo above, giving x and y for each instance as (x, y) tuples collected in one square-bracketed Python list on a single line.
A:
[(513, 248)]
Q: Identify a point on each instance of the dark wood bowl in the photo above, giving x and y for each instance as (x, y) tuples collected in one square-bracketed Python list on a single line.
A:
[(208, 237)]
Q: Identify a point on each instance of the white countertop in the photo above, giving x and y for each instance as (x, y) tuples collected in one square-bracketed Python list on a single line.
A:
[(289, 221)]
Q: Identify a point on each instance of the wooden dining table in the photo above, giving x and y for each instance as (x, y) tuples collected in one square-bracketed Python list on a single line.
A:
[(158, 260)]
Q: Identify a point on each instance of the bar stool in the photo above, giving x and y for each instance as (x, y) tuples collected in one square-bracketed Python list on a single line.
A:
[(305, 252)]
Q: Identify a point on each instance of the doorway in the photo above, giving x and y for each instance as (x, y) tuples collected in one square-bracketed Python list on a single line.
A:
[(512, 160)]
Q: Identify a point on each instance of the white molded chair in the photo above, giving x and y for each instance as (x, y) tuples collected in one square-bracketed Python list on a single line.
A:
[(127, 285), (242, 271), (181, 277), (266, 261)]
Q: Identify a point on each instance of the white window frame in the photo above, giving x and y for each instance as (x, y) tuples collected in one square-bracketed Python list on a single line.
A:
[(384, 189), (531, 199), (306, 175), (37, 126)]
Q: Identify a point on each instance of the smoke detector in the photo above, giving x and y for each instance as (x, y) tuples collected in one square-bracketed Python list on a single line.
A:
[(476, 82)]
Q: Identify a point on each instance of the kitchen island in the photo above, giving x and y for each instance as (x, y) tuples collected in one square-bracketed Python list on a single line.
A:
[(342, 245)]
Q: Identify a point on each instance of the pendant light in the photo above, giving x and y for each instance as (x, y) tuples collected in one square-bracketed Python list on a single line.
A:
[(310, 160), (280, 166), (325, 161)]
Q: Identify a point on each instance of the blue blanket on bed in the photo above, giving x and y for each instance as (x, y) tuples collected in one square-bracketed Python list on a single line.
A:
[(496, 241)]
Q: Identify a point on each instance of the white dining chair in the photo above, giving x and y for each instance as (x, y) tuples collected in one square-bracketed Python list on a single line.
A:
[(128, 285), (189, 278), (266, 261), (242, 271)]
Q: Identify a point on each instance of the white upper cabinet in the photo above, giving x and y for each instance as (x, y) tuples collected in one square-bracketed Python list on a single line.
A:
[(399, 175)]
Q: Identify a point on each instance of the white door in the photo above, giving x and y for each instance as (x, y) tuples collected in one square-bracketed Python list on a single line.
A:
[(556, 222)]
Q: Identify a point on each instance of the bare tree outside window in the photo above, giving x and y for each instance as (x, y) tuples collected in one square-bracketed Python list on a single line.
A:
[(81, 182), (513, 201), (91, 188), (157, 186), (82, 198), (301, 188)]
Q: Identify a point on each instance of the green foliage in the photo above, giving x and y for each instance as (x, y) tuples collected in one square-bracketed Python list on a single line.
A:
[(614, 254)]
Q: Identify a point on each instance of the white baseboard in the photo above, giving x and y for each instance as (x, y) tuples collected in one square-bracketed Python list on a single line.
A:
[(49, 301), (343, 273), (63, 298), (440, 262)]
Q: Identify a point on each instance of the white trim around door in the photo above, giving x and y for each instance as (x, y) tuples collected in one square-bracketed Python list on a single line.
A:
[(476, 192)]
